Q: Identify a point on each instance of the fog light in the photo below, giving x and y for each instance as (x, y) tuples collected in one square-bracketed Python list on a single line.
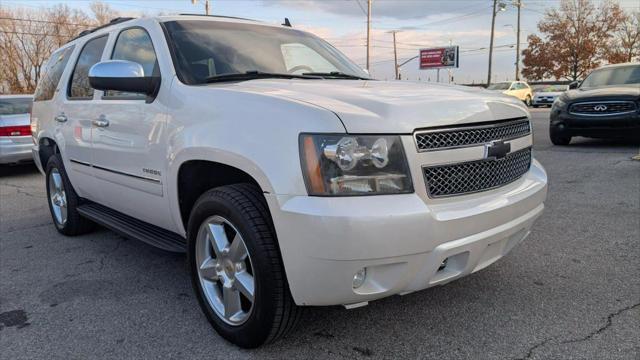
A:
[(359, 277)]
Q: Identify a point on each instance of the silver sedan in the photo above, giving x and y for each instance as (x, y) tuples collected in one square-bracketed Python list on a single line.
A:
[(15, 129)]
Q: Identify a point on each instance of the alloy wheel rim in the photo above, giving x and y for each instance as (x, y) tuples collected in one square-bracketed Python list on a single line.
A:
[(225, 270), (57, 197)]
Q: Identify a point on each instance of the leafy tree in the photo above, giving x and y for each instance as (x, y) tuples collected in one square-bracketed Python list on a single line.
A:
[(576, 38)]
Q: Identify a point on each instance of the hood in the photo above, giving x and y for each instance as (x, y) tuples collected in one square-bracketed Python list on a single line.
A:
[(631, 92), (394, 107)]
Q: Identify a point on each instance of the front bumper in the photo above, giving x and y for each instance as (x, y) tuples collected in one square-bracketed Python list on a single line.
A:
[(623, 126), (15, 149), (402, 240)]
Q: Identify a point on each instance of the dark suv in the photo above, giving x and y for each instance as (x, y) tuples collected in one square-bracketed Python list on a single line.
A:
[(605, 105)]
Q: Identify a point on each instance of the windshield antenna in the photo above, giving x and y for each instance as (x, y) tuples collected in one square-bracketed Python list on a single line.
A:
[(286, 22)]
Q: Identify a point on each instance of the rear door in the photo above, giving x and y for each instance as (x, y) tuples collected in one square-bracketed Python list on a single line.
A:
[(75, 119), (130, 146)]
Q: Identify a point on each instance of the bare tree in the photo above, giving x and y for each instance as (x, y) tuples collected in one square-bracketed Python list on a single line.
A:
[(626, 47), (103, 13), (28, 37)]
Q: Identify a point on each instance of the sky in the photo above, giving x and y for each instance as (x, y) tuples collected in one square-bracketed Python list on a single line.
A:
[(420, 24)]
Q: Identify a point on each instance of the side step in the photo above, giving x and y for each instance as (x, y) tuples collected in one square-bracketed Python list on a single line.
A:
[(133, 228)]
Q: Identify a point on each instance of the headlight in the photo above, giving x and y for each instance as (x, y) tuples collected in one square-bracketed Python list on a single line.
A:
[(339, 165), (557, 104)]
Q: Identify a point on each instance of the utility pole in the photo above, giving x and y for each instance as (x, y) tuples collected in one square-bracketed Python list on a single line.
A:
[(518, 5), (496, 8), (395, 54), (368, 32), (493, 27), (206, 5)]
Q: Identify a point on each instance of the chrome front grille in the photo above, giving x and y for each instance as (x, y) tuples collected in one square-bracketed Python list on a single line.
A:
[(475, 176), (471, 135), (603, 108)]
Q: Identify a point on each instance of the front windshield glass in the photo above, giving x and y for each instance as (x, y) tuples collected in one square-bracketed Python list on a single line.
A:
[(15, 106), (624, 75), (500, 86), (204, 49)]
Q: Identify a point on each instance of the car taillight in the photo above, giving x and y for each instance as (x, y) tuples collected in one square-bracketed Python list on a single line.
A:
[(15, 130)]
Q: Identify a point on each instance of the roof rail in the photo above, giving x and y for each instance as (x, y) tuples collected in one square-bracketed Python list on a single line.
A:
[(115, 21), (220, 16)]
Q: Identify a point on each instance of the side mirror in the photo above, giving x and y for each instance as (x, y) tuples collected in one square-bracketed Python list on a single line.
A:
[(574, 85), (122, 75)]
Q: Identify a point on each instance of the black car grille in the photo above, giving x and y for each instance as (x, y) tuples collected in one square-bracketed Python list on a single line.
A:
[(475, 176), (471, 135), (602, 108)]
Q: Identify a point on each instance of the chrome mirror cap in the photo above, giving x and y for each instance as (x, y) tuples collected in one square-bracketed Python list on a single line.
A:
[(116, 69)]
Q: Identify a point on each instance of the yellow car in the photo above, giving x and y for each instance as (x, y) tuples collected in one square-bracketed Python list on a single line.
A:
[(519, 89)]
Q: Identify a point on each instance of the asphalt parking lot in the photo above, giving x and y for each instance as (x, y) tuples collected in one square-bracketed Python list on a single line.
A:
[(571, 290)]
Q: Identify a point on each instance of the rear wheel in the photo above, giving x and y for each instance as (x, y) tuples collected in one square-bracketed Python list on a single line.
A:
[(63, 200), (236, 269)]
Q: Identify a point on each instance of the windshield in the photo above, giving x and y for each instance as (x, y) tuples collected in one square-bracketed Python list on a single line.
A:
[(624, 75), (500, 86), (553, 88), (15, 106), (204, 49)]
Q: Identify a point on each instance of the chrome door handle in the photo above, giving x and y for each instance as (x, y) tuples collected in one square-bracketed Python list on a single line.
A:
[(60, 118), (101, 121)]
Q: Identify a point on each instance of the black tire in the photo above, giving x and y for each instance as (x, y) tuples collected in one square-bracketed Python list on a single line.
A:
[(527, 101), (75, 224), (274, 312), (558, 138)]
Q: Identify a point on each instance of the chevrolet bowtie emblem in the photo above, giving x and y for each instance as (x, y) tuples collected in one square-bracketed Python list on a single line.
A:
[(496, 149)]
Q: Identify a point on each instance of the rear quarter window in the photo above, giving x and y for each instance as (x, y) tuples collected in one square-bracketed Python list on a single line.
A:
[(51, 74)]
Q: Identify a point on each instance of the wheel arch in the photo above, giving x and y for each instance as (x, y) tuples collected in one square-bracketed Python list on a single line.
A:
[(191, 176)]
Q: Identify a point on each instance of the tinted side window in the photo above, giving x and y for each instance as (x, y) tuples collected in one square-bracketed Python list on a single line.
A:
[(135, 45), (91, 53), (51, 74)]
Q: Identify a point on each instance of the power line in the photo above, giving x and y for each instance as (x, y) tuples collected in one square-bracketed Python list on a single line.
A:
[(44, 21), (360, 6), (33, 34)]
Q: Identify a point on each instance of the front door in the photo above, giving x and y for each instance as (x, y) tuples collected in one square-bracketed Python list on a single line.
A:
[(129, 140)]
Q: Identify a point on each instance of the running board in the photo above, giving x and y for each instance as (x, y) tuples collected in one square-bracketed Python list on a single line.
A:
[(133, 228)]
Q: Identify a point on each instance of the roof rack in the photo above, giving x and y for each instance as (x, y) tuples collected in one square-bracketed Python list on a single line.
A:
[(115, 21), (220, 16)]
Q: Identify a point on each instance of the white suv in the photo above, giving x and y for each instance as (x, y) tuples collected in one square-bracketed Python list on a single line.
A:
[(288, 177)]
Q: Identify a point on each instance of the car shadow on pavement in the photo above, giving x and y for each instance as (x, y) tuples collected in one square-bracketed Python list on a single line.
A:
[(16, 170)]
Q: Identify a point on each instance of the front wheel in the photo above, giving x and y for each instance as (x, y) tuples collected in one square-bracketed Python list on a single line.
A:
[(557, 137), (527, 101), (236, 268)]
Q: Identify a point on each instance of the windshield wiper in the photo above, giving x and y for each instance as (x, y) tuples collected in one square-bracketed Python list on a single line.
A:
[(336, 75), (254, 74)]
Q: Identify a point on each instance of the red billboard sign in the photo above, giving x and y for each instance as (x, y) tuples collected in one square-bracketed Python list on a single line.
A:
[(442, 57)]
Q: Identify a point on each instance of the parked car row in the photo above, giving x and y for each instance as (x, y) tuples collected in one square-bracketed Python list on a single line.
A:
[(15, 130)]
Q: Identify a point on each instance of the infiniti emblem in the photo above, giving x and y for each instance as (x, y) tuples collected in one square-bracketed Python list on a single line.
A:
[(600, 107)]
